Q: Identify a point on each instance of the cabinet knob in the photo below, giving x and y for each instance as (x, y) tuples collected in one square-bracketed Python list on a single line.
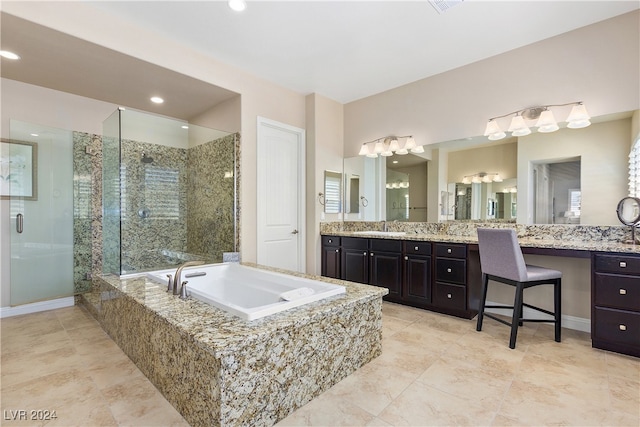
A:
[(337, 250), (449, 296), (448, 250), (365, 253), (416, 248), (623, 291), (406, 258), (330, 241), (623, 327), (623, 264), (371, 253), (448, 270)]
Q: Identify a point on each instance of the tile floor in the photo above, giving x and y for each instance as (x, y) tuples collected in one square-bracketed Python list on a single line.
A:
[(434, 370)]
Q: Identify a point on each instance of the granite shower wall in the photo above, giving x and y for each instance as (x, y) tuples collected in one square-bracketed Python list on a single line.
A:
[(184, 194), (210, 197)]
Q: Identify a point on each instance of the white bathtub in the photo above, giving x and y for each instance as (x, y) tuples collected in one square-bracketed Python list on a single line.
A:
[(249, 293)]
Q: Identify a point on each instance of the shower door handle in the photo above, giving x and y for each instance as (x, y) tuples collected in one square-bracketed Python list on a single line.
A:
[(19, 223)]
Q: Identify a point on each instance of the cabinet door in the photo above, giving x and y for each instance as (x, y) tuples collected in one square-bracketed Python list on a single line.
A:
[(355, 265), (331, 262), (386, 271), (417, 279)]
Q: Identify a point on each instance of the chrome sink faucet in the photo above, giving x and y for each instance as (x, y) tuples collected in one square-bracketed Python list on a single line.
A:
[(176, 278)]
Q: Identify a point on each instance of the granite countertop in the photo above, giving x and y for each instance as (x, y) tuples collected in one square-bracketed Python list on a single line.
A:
[(219, 331), (591, 244)]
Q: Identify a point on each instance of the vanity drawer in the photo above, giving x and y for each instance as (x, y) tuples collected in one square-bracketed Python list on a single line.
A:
[(451, 251), (616, 290), (330, 240), (355, 243), (417, 248), (617, 264), (451, 270), (617, 326), (451, 296), (383, 245)]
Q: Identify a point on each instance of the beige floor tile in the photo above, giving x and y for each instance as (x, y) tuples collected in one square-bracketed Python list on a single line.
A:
[(402, 312), (625, 395), (391, 325), (534, 404), (467, 381), (328, 411), (413, 358), (621, 365), (372, 387), (422, 405), (27, 345), (17, 369), (75, 317)]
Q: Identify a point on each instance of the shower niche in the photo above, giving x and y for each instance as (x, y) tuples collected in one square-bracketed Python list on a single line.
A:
[(169, 193)]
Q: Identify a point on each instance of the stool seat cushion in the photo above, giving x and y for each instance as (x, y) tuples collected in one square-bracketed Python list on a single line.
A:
[(535, 273)]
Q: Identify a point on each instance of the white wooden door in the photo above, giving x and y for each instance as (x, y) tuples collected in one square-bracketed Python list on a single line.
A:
[(280, 211)]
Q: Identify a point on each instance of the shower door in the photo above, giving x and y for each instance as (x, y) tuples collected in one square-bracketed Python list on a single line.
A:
[(41, 209)]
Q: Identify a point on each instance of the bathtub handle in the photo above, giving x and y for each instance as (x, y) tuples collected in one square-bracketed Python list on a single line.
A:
[(169, 283), (19, 223), (183, 290)]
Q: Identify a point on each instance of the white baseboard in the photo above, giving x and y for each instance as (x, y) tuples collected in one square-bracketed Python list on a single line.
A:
[(36, 307), (569, 322)]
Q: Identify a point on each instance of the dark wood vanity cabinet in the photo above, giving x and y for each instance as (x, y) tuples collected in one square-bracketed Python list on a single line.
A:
[(355, 259), (435, 276), (417, 273), (330, 257), (615, 312)]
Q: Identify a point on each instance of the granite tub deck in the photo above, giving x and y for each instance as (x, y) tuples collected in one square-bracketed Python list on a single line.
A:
[(217, 369)]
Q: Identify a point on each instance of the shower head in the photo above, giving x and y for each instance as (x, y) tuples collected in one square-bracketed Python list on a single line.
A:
[(146, 159)]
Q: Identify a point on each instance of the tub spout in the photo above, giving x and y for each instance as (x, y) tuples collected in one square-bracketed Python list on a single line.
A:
[(176, 278)]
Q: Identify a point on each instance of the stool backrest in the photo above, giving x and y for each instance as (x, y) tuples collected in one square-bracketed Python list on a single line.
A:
[(500, 254)]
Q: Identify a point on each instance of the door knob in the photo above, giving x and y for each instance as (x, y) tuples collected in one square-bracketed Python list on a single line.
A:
[(295, 232)]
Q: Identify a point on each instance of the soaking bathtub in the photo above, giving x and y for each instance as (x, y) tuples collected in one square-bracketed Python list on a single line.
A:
[(247, 292)]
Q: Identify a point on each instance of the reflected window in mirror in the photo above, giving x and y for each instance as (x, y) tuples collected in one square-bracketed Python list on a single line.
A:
[(332, 192)]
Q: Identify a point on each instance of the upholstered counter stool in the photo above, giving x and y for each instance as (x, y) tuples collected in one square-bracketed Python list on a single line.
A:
[(501, 260)]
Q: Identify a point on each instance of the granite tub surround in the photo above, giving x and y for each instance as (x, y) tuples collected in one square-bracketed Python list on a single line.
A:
[(556, 236), (217, 369)]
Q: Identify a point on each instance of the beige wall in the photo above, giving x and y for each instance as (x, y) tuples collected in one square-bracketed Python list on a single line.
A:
[(324, 152), (501, 158), (603, 149), (598, 64)]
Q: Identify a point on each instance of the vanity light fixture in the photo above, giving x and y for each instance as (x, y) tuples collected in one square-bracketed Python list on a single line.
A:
[(157, 100), (546, 122), (388, 145), (481, 177)]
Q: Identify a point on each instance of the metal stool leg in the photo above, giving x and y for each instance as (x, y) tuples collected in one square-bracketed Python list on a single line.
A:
[(483, 301), (557, 303), (517, 314)]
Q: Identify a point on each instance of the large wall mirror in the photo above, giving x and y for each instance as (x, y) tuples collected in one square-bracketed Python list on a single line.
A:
[(572, 176)]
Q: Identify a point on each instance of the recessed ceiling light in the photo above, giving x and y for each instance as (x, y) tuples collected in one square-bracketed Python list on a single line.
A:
[(34, 134), (185, 127), (9, 55), (157, 100), (237, 5)]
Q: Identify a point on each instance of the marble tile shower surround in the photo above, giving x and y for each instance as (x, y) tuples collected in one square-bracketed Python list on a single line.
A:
[(467, 229), (217, 369)]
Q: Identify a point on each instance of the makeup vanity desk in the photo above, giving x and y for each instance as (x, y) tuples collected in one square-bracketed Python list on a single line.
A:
[(441, 272)]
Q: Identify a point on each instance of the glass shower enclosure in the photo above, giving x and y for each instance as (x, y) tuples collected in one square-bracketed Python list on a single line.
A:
[(170, 192)]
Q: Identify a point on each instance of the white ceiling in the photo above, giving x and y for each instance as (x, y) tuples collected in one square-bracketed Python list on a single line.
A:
[(347, 50)]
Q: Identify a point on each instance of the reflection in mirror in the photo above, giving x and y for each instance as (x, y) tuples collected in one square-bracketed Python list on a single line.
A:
[(332, 192), (352, 196), (557, 194), (485, 201), (406, 188)]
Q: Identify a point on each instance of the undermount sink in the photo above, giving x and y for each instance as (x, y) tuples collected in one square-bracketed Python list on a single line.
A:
[(381, 233)]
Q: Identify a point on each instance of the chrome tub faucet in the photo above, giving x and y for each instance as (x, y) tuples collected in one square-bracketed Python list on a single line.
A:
[(176, 278)]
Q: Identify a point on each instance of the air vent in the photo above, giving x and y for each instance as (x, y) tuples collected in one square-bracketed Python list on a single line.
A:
[(443, 5)]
